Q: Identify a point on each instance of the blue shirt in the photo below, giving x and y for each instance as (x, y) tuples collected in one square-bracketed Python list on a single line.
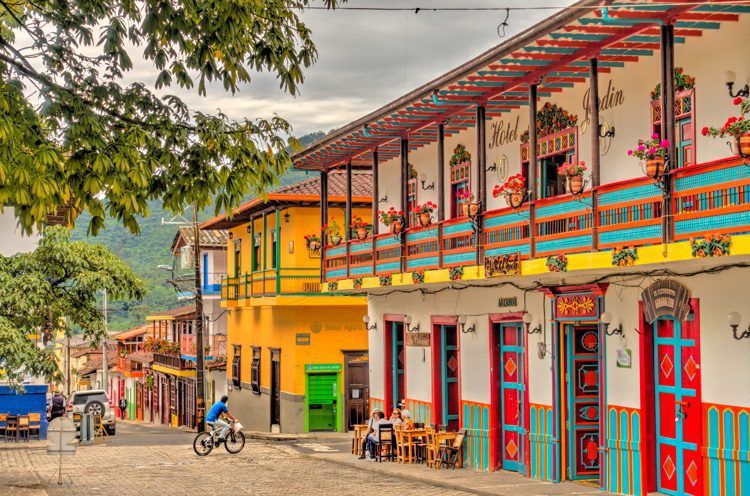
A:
[(215, 411)]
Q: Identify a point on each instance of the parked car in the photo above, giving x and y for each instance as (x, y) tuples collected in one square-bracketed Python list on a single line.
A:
[(94, 402)]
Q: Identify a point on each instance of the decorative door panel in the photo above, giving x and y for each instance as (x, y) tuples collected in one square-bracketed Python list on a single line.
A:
[(450, 371), (583, 401), (513, 434), (398, 363), (678, 412)]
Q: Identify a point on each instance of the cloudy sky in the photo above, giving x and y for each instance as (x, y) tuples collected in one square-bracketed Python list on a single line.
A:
[(366, 59)]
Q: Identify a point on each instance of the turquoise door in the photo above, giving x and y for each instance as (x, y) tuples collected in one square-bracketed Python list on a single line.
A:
[(512, 422), (449, 374), (583, 400), (398, 361)]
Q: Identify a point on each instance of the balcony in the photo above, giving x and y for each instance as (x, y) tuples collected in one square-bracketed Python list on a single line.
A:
[(711, 198), (217, 346), (173, 361), (212, 282), (287, 281), (129, 367)]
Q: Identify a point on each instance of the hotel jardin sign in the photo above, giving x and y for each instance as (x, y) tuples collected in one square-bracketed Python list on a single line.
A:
[(508, 264)]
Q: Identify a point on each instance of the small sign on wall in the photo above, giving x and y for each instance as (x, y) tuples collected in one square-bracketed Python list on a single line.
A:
[(418, 339), (624, 358), (303, 338), (502, 265)]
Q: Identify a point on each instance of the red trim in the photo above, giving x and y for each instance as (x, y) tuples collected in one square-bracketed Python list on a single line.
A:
[(388, 320), (437, 390), (597, 289)]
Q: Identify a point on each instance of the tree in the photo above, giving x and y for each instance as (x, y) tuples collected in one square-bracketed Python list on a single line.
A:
[(72, 134), (56, 287)]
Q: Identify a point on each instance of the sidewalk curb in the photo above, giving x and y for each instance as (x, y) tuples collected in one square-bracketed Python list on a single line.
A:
[(409, 477)]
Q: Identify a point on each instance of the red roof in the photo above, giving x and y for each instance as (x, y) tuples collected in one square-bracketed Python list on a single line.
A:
[(175, 312), (131, 333)]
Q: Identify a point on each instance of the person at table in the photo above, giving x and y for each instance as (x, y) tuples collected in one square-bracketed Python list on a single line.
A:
[(373, 419), (408, 424), (396, 417), (372, 435)]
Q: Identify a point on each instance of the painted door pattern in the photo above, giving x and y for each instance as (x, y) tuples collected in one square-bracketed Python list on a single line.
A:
[(398, 362), (511, 393), (449, 373), (582, 381), (678, 411)]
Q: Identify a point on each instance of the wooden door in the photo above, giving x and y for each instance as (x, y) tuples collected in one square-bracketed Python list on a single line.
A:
[(449, 368), (139, 401), (509, 339), (398, 364), (275, 388), (583, 401), (679, 468), (357, 388)]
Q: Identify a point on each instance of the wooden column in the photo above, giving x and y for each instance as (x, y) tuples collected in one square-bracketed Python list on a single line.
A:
[(323, 204), (348, 210), (533, 188), (405, 179), (441, 171), (667, 123), (375, 193), (595, 146), (481, 158)]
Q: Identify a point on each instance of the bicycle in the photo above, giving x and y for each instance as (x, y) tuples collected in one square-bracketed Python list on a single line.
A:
[(205, 441)]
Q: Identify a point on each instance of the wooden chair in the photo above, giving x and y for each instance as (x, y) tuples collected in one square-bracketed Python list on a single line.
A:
[(35, 425), (3, 423), (399, 443), (426, 449), (99, 429), (449, 454), (384, 442), (11, 428), (23, 427)]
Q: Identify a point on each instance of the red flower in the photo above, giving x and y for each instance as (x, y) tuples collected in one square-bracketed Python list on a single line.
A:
[(704, 131), (737, 101)]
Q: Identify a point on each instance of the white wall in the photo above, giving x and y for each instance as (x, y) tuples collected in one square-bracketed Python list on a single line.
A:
[(13, 240)]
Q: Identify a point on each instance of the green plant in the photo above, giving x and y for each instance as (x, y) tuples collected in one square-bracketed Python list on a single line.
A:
[(332, 228), (650, 148), (460, 155), (357, 282), (515, 184), (551, 119), (572, 169), (456, 273), (386, 280), (735, 125), (417, 277), (713, 245), (333, 286), (557, 263), (412, 172), (150, 382), (392, 215), (358, 223), (682, 82), (624, 256)]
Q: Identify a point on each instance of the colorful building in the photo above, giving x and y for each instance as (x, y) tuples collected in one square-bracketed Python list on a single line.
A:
[(126, 378), (578, 327), (298, 357)]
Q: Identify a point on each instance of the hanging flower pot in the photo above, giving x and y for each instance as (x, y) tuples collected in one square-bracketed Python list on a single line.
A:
[(743, 143), (425, 219), (655, 167), (314, 245), (335, 240), (575, 184), (473, 209), (514, 200), (362, 232), (396, 226), (465, 209)]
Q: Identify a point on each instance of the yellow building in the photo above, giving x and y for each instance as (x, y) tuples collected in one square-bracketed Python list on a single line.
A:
[(298, 357)]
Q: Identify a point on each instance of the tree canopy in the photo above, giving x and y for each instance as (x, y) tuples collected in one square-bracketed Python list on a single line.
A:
[(72, 133), (55, 288)]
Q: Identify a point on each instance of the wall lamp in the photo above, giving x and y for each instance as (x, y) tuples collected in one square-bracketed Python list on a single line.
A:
[(287, 217), (527, 320), (384, 199), (366, 320), (606, 131), (734, 319), (407, 323), (423, 179), (730, 77), (462, 320), (606, 320)]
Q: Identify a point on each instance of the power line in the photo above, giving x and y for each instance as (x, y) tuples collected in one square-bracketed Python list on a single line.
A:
[(417, 10)]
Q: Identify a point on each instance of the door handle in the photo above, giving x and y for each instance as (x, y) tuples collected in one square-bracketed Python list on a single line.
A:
[(681, 405)]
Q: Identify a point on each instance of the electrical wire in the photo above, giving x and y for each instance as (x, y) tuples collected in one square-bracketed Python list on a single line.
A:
[(417, 10)]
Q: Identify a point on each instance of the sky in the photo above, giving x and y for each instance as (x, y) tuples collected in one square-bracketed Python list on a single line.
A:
[(367, 59)]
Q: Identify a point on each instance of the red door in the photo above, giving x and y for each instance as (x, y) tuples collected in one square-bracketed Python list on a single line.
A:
[(678, 407)]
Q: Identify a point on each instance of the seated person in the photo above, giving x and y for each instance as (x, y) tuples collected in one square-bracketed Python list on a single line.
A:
[(408, 421), (372, 420), (396, 417), (372, 436)]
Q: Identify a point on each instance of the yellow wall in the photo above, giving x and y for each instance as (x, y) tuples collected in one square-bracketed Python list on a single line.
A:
[(331, 330), (302, 221)]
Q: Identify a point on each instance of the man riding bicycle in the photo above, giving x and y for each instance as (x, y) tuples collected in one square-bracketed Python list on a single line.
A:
[(212, 418)]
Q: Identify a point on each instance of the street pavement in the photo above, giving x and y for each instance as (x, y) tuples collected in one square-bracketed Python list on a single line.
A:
[(149, 460)]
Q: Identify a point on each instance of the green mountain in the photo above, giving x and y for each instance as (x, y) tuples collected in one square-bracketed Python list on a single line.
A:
[(145, 252)]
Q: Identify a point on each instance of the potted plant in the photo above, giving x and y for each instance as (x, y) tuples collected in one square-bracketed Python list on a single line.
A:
[(513, 189), (573, 173), (460, 155), (361, 227), (312, 241), (333, 231), (393, 218), (468, 205), (424, 213), (653, 151), (736, 126)]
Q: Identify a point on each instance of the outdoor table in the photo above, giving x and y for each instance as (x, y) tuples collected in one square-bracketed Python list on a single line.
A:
[(409, 442), (360, 430), (443, 439)]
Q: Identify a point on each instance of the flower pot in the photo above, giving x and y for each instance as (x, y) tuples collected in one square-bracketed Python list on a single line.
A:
[(473, 209), (655, 167), (514, 200), (743, 143), (314, 245), (362, 233), (465, 209), (575, 184), (335, 240), (425, 219), (396, 226)]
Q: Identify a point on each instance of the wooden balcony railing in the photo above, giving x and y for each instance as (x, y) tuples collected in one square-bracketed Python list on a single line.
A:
[(270, 282), (128, 365), (173, 361), (709, 198), (216, 346)]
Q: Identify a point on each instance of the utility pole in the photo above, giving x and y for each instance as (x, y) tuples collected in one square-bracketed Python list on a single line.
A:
[(105, 359), (200, 348), (67, 367)]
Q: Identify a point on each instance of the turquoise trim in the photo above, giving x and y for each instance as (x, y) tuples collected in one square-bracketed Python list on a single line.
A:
[(569, 207), (524, 249), (509, 218), (359, 248), (713, 223), (633, 234), (361, 271), (468, 257), (336, 273), (629, 194), (415, 263), (337, 250), (711, 178), (383, 267), (563, 244), (387, 241), (427, 234), (460, 228)]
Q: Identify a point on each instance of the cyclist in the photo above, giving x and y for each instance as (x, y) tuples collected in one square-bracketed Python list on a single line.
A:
[(214, 420)]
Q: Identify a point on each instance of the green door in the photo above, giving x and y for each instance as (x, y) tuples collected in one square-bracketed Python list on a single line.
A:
[(321, 401)]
